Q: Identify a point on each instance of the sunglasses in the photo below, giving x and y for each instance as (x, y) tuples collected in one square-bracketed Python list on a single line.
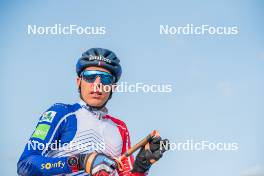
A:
[(91, 75)]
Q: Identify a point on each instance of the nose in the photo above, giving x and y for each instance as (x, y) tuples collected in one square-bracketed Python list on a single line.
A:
[(97, 80), (96, 85)]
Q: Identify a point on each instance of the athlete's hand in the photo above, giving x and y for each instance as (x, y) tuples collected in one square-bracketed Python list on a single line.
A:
[(149, 154), (97, 164)]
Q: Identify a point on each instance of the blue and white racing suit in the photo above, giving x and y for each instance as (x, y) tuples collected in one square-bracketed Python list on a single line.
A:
[(65, 130)]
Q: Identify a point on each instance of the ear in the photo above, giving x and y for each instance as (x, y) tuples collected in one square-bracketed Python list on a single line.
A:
[(78, 82)]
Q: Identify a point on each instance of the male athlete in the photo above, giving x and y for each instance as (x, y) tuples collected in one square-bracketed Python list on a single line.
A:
[(83, 139)]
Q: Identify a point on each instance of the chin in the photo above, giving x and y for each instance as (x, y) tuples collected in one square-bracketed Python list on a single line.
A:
[(96, 103)]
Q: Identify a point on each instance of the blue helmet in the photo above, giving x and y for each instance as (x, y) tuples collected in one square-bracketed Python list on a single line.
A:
[(100, 57)]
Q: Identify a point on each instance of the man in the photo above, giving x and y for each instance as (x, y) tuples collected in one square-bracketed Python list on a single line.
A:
[(82, 139)]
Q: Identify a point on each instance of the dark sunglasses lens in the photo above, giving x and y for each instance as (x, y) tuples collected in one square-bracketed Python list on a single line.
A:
[(89, 78), (106, 80)]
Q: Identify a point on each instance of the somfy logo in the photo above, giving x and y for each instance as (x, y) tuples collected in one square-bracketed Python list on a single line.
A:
[(48, 165)]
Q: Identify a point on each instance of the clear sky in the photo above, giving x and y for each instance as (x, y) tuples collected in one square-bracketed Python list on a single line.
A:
[(217, 80)]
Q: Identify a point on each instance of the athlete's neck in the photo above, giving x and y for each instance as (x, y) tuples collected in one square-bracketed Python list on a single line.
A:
[(91, 108)]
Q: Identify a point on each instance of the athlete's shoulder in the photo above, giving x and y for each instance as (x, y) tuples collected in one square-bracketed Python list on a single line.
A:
[(59, 110), (65, 107)]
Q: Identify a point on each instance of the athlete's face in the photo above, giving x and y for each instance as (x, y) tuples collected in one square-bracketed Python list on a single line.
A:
[(90, 92)]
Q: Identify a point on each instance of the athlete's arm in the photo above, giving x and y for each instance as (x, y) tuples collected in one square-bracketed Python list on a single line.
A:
[(49, 128)]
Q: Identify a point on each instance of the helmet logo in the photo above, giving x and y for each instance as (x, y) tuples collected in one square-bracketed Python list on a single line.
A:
[(99, 58)]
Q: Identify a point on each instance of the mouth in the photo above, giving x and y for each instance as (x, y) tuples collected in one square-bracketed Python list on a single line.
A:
[(96, 94)]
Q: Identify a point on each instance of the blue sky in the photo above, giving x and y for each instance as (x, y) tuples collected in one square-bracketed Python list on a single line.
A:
[(217, 80)]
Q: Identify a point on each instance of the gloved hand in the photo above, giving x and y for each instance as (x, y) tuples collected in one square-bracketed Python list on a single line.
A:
[(95, 164), (149, 154)]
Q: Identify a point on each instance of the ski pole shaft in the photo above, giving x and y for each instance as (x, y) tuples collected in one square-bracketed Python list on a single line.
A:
[(140, 144)]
